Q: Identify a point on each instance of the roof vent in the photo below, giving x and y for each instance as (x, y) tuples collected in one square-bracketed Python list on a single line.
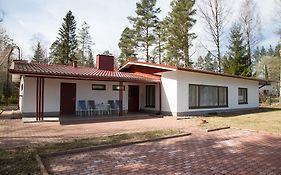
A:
[(74, 64)]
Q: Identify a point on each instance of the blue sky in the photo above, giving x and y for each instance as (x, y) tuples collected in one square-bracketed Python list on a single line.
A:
[(26, 18)]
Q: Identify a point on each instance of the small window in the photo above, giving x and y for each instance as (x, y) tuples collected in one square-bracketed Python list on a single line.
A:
[(150, 96), (242, 96), (99, 87), (21, 87), (118, 88)]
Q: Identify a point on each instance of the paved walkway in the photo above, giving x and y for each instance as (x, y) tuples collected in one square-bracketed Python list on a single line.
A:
[(222, 152), (14, 133)]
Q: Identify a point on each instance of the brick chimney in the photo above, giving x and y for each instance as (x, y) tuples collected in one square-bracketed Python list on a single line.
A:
[(105, 62)]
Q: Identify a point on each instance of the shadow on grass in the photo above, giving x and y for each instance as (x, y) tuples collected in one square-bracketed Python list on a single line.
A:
[(238, 113)]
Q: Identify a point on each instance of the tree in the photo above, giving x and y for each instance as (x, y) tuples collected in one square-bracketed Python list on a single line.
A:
[(107, 52), (90, 59), (214, 13), (200, 63), (236, 61), (160, 38), (179, 36), (207, 63), (263, 51), (39, 54), (127, 45), (144, 24), (270, 51), (250, 23), (63, 50), (84, 40)]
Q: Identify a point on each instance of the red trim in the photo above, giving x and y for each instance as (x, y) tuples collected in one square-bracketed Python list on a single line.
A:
[(121, 100), (37, 91), (42, 108), (160, 98), (19, 95)]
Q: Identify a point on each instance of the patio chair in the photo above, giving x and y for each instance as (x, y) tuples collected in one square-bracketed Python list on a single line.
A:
[(92, 107), (113, 109), (117, 105), (82, 109)]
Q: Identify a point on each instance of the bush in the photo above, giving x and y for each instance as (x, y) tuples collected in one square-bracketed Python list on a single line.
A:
[(13, 100)]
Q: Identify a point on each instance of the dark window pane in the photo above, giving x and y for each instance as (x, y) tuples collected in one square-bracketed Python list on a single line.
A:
[(208, 96), (150, 96), (193, 96), (242, 96)]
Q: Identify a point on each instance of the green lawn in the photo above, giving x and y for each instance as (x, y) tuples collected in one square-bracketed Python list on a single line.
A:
[(264, 119), (23, 161)]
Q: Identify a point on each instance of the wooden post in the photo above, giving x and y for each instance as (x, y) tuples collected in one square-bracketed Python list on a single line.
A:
[(121, 98), (160, 98)]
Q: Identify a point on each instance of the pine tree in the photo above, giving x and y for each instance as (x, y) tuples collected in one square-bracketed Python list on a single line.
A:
[(210, 63), (265, 72), (236, 62), (179, 23), (160, 38), (144, 25), (270, 51), (84, 40), (127, 45), (39, 54), (277, 50), (263, 51), (200, 63), (64, 48), (90, 58)]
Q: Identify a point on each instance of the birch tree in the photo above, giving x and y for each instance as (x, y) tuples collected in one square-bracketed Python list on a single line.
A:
[(215, 14)]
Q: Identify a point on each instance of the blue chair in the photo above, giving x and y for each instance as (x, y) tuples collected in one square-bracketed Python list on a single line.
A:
[(113, 109), (82, 108), (92, 107)]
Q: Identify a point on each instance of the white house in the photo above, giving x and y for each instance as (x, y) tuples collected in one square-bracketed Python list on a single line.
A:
[(56, 90)]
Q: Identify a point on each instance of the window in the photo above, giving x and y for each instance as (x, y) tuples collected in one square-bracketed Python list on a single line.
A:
[(118, 88), (21, 87), (150, 96), (98, 87), (202, 96), (242, 96)]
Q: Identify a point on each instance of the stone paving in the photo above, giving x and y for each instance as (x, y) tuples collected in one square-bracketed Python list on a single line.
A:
[(15, 133), (221, 152)]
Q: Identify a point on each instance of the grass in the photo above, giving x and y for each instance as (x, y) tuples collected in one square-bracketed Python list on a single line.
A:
[(265, 119), (22, 160)]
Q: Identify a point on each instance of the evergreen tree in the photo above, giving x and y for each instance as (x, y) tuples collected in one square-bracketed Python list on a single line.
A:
[(200, 63), (265, 72), (39, 54), (210, 63), (236, 61), (179, 23), (160, 38), (90, 59), (263, 51), (127, 45), (144, 24), (64, 48), (85, 41), (277, 50), (270, 51)]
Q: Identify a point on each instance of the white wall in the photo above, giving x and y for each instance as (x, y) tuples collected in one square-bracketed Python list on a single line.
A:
[(176, 90), (83, 92), (169, 92)]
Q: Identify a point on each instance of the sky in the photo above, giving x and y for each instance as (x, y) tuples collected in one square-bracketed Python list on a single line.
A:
[(25, 20)]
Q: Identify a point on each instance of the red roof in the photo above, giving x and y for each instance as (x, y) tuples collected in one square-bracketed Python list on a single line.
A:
[(65, 71)]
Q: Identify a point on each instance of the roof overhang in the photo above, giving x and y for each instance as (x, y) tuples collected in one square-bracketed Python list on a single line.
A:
[(157, 68)]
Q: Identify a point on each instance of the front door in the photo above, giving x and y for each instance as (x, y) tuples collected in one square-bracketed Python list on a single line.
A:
[(67, 98), (133, 99)]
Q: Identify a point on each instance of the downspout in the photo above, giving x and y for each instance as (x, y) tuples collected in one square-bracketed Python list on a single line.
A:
[(160, 98)]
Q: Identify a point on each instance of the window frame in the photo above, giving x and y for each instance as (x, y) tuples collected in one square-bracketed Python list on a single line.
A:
[(148, 91), (245, 101), (102, 87), (198, 97), (118, 88)]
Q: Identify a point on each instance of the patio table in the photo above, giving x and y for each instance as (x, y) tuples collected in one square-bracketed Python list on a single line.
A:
[(103, 108)]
